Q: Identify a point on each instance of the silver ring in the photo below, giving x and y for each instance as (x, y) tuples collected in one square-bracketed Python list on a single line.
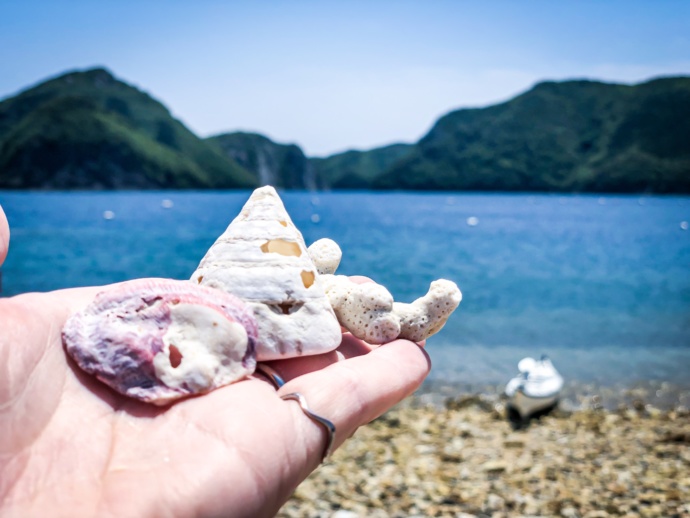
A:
[(329, 426), (271, 374)]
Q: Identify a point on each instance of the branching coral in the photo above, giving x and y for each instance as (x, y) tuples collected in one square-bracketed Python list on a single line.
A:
[(368, 310)]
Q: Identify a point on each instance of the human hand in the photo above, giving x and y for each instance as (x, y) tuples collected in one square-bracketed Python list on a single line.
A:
[(70, 446)]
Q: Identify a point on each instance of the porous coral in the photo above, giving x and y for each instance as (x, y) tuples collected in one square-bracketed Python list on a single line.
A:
[(325, 254), (368, 311)]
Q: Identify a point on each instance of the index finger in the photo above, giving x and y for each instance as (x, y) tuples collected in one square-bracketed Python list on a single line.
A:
[(355, 391)]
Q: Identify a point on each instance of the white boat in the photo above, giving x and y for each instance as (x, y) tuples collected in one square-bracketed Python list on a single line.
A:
[(536, 389)]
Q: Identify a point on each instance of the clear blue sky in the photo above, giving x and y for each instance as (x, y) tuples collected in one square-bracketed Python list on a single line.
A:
[(337, 75)]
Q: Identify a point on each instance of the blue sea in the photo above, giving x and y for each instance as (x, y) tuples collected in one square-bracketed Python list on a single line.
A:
[(600, 284)]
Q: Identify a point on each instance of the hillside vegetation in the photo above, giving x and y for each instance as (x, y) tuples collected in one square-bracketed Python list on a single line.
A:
[(569, 136), (357, 169), (88, 130), (280, 165)]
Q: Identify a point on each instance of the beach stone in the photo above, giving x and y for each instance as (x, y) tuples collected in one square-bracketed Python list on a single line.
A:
[(494, 503), (569, 512), (514, 443), (596, 471), (494, 466)]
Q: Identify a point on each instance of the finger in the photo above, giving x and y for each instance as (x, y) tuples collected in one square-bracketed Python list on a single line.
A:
[(355, 391), (290, 369), (76, 299), (266, 445), (4, 236), (351, 346)]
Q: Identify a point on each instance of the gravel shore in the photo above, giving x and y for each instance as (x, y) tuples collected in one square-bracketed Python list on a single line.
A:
[(463, 458)]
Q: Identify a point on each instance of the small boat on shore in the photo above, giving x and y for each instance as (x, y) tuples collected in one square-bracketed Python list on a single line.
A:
[(535, 390)]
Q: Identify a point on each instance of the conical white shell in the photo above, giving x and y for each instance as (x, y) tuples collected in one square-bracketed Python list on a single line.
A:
[(262, 259)]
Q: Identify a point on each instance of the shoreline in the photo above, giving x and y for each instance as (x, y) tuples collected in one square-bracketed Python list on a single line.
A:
[(458, 456), (576, 395)]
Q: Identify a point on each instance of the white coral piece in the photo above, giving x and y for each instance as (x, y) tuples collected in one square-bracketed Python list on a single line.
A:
[(368, 311), (428, 314), (325, 254)]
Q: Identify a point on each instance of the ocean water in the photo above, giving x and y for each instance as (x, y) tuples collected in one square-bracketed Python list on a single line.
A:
[(600, 284)]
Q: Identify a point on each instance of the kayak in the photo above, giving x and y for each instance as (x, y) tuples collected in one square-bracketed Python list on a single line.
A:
[(536, 389)]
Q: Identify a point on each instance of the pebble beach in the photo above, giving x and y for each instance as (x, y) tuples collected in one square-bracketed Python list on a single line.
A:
[(461, 457)]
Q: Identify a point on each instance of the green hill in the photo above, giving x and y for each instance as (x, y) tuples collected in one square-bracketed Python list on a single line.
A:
[(87, 130), (280, 165), (566, 136), (357, 169)]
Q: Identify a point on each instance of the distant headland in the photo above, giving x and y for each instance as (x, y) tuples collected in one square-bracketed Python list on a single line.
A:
[(88, 130)]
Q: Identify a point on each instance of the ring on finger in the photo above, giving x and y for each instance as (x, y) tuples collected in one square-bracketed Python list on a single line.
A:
[(328, 425), (271, 374)]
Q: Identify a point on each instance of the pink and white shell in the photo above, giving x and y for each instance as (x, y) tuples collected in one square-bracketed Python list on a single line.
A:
[(158, 340)]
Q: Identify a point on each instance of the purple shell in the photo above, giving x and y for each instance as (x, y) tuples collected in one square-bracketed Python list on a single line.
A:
[(118, 335)]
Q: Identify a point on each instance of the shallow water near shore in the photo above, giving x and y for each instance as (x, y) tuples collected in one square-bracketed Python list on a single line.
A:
[(599, 283)]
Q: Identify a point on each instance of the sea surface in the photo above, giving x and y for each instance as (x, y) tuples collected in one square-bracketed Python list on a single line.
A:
[(600, 284)]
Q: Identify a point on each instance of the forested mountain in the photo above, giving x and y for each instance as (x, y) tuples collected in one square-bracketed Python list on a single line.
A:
[(88, 130), (567, 136), (280, 165), (357, 169)]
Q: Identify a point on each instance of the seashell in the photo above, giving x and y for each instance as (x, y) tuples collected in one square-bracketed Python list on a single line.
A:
[(158, 340), (262, 259)]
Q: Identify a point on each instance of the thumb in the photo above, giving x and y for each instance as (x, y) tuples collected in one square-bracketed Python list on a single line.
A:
[(4, 236)]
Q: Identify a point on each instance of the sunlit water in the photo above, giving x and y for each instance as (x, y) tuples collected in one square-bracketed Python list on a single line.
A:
[(601, 284)]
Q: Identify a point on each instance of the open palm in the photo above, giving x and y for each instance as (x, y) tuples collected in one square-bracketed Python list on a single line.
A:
[(71, 446)]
